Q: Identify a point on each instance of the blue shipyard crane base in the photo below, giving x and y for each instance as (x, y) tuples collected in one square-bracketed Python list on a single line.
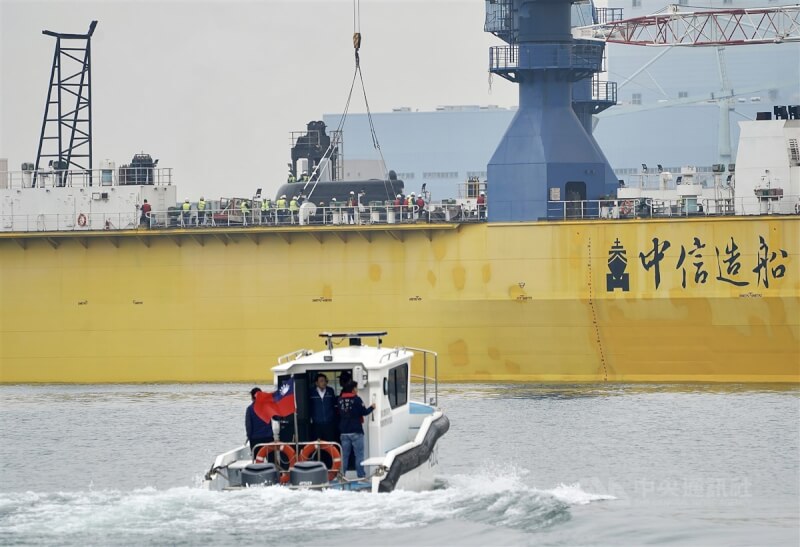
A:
[(546, 152)]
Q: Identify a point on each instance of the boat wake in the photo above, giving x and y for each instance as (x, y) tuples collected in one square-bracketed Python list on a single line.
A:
[(185, 514)]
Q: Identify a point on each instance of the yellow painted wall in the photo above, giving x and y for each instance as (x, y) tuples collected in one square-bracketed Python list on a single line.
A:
[(517, 302)]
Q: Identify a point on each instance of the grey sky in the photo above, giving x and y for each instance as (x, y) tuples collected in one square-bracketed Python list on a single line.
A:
[(213, 89)]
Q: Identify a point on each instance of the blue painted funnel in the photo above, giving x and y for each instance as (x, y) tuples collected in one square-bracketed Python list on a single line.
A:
[(546, 156)]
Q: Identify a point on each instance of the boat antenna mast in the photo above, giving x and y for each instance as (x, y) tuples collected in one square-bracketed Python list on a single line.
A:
[(67, 118)]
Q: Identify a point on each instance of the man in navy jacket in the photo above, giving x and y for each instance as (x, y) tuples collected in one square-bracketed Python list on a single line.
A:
[(351, 416), (258, 431), (323, 410)]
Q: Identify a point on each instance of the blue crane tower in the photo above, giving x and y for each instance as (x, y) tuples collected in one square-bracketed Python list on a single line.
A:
[(547, 155)]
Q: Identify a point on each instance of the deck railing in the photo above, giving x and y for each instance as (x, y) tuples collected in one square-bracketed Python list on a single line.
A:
[(666, 208), (606, 209), (426, 379), (220, 218), (316, 216), (87, 178), (63, 222)]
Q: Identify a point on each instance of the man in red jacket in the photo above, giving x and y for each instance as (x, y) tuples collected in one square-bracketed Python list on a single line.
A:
[(146, 208), (482, 206), (421, 207)]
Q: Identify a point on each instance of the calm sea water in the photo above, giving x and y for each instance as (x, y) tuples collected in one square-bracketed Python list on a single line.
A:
[(521, 465)]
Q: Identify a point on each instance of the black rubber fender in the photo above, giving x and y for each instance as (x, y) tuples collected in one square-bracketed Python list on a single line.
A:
[(408, 461)]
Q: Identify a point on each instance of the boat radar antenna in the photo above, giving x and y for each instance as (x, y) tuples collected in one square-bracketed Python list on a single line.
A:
[(68, 110), (354, 337)]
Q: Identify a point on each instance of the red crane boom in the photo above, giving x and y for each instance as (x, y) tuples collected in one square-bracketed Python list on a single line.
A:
[(724, 27)]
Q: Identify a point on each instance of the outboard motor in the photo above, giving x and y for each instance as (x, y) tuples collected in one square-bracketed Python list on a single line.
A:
[(308, 474), (265, 474)]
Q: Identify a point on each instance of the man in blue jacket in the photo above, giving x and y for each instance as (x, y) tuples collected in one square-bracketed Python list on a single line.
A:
[(351, 416), (258, 431), (323, 409)]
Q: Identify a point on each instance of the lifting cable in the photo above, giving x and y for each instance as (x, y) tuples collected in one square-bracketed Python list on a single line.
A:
[(357, 75)]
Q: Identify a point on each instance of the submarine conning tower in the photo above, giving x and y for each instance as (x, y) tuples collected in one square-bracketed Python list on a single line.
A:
[(546, 154)]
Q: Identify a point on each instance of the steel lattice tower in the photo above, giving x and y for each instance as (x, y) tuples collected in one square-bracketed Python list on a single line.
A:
[(66, 137)]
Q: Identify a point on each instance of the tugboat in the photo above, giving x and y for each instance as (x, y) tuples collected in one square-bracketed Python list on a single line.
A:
[(401, 435)]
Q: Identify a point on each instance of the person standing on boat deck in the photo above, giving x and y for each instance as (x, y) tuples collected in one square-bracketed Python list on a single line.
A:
[(282, 211), (345, 378), (402, 209), (352, 204), (266, 206), (421, 213), (146, 209), (363, 215), (258, 431), (351, 416), (245, 211), (294, 209), (481, 206), (323, 409), (186, 212), (201, 211)]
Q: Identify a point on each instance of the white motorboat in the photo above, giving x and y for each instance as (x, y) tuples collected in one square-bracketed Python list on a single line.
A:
[(401, 435)]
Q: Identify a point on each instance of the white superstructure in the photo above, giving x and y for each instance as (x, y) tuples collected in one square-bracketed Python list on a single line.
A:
[(108, 198), (768, 167)]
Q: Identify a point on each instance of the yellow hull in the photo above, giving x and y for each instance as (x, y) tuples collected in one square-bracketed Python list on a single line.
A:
[(500, 302)]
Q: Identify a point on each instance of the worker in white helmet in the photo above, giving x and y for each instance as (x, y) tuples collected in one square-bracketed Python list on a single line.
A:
[(186, 209), (282, 208), (351, 208), (294, 209), (201, 212), (481, 206), (410, 202), (398, 203), (244, 207)]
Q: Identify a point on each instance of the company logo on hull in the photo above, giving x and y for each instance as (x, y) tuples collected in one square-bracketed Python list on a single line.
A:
[(617, 264), (690, 263)]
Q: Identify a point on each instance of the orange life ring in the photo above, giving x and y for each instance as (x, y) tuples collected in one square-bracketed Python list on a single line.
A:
[(286, 450), (331, 450), (81, 220)]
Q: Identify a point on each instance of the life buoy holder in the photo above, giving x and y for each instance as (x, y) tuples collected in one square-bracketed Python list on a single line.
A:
[(82, 220), (330, 449), (626, 208), (284, 449)]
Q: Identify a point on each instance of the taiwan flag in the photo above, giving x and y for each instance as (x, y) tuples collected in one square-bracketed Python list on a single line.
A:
[(281, 403)]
